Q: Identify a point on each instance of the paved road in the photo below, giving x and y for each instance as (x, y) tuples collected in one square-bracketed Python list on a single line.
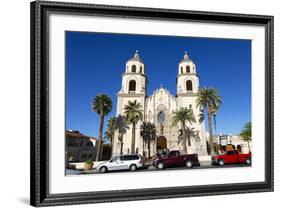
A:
[(203, 165)]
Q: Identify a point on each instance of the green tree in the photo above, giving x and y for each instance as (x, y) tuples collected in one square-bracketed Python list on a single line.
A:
[(102, 105), (209, 100), (133, 114), (148, 132), (110, 131), (122, 127), (192, 134), (182, 116), (246, 133), (201, 116)]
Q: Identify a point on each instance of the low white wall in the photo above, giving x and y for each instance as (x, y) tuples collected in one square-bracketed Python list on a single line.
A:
[(80, 165), (204, 158)]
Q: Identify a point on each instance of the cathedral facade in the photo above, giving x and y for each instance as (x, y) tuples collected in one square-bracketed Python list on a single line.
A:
[(158, 109)]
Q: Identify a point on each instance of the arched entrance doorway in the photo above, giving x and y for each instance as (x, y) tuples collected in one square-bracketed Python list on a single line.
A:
[(161, 143)]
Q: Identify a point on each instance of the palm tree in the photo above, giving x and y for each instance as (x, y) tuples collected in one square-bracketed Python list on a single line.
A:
[(182, 116), (110, 131), (201, 116), (192, 134), (133, 114), (102, 105), (122, 127), (209, 100), (109, 135), (246, 133), (148, 132)]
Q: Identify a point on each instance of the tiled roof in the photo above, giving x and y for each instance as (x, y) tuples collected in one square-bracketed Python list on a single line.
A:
[(78, 135)]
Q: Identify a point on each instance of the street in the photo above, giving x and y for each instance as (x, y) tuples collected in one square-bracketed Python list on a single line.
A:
[(203, 165)]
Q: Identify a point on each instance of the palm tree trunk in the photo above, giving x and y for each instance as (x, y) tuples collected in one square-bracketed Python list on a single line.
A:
[(112, 145), (121, 149), (148, 143), (248, 145), (133, 138), (143, 147), (184, 138), (100, 137), (120, 138), (188, 139), (210, 131)]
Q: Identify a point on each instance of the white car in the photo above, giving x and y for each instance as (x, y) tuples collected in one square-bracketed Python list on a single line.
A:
[(122, 162)]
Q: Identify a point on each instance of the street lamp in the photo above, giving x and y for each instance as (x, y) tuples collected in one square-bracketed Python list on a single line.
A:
[(215, 123)]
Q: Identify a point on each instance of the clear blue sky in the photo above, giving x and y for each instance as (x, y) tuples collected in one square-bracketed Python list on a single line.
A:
[(95, 62)]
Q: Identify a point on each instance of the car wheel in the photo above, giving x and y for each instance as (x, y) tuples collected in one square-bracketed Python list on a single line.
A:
[(103, 169), (248, 161), (221, 163), (188, 163), (160, 165), (133, 167)]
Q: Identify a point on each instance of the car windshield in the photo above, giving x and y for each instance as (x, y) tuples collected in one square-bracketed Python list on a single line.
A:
[(161, 154), (130, 157), (174, 153), (231, 152), (114, 159)]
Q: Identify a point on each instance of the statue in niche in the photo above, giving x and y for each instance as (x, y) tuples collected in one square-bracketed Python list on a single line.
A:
[(161, 129)]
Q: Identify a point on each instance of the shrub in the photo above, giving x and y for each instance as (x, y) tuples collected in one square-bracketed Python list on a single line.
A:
[(89, 162)]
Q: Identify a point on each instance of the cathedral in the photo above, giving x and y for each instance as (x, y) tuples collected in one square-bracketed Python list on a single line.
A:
[(158, 108)]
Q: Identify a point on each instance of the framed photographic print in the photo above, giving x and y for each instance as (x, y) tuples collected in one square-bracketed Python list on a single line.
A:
[(131, 103)]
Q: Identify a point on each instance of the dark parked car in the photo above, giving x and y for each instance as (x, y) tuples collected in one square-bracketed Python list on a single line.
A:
[(175, 159), (232, 157)]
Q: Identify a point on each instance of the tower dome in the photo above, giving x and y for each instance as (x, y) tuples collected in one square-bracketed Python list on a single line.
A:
[(186, 65), (135, 64), (185, 58), (136, 57)]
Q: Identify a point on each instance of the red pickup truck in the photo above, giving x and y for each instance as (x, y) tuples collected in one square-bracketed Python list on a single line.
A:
[(175, 159), (232, 157)]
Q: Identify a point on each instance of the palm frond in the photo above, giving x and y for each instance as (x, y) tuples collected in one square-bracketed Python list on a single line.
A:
[(102, 104), (133, 112), (201, 116), (148, 131), (208, 97), (182, 116), (246, 132)]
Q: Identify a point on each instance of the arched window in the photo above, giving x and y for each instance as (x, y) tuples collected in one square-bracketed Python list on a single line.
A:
[(132, 86), (187, 69), (134, 69), (188, 85), (181, 70), (141, 69)]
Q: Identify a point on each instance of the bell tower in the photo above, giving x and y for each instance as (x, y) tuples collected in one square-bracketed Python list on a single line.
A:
[(133, 88), (187, 87), (134, 79), (187, 80)]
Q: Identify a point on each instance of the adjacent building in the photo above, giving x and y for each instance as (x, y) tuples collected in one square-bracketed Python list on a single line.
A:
[(223, 141), (79, 147)]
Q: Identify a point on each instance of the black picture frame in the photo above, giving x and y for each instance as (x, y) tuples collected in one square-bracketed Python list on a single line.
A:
[(39, 177)]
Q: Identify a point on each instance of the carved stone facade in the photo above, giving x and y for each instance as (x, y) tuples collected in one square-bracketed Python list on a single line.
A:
[(159, 107)]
